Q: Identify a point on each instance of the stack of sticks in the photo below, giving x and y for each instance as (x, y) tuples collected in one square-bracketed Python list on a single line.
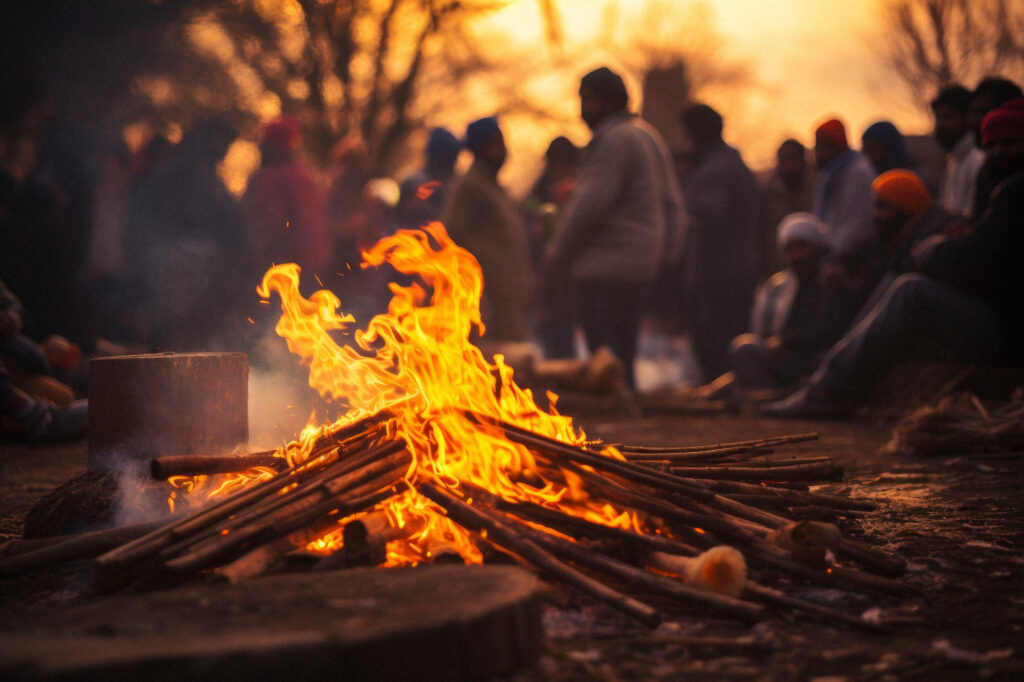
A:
[(688, 500)]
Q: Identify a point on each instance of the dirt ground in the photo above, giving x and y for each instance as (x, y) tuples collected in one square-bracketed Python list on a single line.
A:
[(956, 520)]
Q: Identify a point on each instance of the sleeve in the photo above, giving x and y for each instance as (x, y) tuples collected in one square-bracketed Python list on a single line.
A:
[(599, 185)]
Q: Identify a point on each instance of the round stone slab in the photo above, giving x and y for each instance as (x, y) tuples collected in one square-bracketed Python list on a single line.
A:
[(424, 623)]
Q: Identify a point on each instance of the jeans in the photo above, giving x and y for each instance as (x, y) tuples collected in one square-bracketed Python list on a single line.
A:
[(917, 317)]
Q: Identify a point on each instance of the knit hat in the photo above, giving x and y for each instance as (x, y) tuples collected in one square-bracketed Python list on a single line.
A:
[(443, 145), (282, 134), (834, 131), (903, 188), (1005, 124), (480, 131), (804, 226)]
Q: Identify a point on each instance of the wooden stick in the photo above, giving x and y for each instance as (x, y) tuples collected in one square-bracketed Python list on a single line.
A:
[(728, 488), (825, 471), (704, 449), (512, 540), (664, 586), (310, 506), (648, 542), (775, 596), (600, 462), (73, 547), (162, 468), (111, 567)]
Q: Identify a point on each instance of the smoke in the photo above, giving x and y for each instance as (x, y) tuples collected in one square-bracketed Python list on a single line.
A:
[(281, 402)]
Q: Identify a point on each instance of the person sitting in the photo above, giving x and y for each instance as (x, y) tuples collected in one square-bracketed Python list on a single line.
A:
[(965, 302), (903, 213), (33, 404), (794, 319)]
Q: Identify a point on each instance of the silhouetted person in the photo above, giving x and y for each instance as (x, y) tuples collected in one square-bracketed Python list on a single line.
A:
[(990, 94), (285, 211), (483, 219), (192, 247), (963, 157), (886, 148), (46, 237), (421, 195), (623, 220), (723, 259), (788, 188), (842, 195), (555, 323)]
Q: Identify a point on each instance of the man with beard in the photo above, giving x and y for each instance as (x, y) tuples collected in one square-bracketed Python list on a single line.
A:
[(963, 158), (965, 302), (622, 221)]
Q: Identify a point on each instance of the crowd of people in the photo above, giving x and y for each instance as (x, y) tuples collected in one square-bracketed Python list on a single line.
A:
[(803, 283)]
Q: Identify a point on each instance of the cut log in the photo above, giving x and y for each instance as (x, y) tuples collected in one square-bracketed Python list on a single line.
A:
[(145, 406)]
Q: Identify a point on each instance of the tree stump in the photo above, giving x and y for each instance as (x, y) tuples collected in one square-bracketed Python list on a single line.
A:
[(144, 406)]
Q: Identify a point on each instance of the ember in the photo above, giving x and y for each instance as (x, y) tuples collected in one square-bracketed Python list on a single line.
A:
[(457, 458)]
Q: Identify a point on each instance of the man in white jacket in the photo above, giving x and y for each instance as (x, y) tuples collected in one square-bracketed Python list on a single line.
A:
[(623, 221)]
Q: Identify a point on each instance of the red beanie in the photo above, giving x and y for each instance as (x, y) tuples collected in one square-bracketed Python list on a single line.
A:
[(282, 134), (834, 131), (903, 188), (1005, 124)]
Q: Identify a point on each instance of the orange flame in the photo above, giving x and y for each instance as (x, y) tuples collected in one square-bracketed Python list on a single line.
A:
[(416, 361)]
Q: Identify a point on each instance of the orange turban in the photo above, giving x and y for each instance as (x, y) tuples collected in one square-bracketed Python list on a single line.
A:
[(903, 188)]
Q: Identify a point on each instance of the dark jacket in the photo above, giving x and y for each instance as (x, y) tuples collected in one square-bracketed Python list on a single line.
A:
[(989, 261)]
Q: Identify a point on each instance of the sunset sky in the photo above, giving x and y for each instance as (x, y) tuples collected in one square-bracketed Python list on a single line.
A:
[(810, 60)]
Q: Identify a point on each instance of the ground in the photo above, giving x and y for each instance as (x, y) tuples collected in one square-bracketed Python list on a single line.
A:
[(954, 519)]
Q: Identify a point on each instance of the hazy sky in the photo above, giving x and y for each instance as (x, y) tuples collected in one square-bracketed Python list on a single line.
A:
[(810, 60)]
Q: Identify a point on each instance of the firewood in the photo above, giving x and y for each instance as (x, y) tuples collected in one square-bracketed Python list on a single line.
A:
[(67, 548), (824, 471), (643, 579), (112, 568), (511, 539), (720, 448), (162, 468), (306, 508)]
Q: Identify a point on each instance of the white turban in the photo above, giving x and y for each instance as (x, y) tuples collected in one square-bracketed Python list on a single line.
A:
[(804, 226)]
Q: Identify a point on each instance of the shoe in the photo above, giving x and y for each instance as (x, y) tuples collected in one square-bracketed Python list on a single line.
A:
[(806, 404), (44, 423)]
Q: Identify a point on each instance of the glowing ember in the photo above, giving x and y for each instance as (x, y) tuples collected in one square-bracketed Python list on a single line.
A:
[(416, 362)]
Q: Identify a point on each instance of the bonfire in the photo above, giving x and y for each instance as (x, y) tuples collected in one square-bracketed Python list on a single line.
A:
[(441, 455)]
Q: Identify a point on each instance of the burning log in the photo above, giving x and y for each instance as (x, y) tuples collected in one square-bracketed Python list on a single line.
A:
[(162, 468), (513, 541)]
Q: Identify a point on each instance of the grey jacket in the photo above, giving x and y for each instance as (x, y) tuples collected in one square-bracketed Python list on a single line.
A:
[(625, 218)]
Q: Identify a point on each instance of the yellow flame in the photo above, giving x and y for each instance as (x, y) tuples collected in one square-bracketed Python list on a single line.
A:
[(416, 361)]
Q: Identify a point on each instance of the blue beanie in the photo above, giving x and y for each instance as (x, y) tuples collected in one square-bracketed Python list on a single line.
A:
[(443, 145), (480, 131)]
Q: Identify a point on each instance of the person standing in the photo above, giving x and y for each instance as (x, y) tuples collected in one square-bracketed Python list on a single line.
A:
[(622, 223), (723, 258), (481, 217)]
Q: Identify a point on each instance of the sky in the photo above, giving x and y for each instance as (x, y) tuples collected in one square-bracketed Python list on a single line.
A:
[(810, 60)]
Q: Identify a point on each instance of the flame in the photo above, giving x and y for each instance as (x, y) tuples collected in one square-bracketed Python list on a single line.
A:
[(416, 362)]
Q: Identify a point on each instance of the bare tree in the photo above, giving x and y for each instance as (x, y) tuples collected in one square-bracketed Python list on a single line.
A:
[(929, 43)]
